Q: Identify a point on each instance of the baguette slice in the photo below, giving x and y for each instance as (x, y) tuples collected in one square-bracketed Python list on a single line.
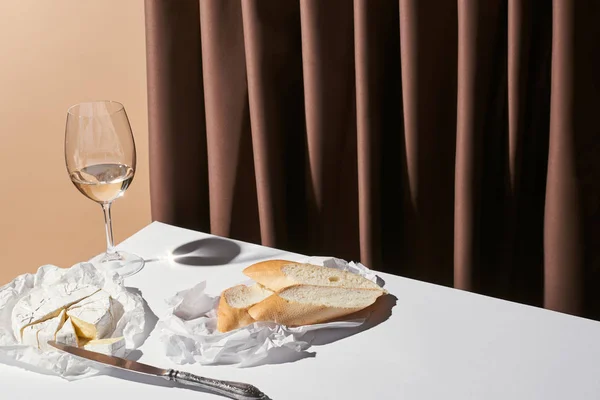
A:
[(306, 305), (234, 304), (280, 274)]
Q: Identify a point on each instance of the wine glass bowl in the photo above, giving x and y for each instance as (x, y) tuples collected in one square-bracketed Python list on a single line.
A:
[(103, 183), (101, 159)]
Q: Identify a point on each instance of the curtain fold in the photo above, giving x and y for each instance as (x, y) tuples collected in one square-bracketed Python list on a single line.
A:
[(429, 45), (176, 104), (562, 222), (449, 141)]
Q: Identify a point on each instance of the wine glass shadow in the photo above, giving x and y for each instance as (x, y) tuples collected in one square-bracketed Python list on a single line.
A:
[(206, 252)]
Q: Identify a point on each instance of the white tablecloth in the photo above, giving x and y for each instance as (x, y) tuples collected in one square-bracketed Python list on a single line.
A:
[(438, 343)]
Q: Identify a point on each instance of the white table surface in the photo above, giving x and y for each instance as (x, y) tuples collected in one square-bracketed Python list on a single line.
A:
[(438, 343)]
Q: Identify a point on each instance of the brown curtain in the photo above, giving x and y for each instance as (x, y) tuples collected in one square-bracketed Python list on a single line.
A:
[(450, 141)]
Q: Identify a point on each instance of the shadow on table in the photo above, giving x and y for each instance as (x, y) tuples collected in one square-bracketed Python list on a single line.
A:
[(151, 320), (155, 259), (4, 359), (156, 381), (206, 252), (283, 355), (135, 377), (377, 313)]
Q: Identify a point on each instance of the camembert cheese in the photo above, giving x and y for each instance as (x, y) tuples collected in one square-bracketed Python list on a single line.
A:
[(92, 317), (38, 335), (67, 335), (75, 315), (110, 346), (46, 303)]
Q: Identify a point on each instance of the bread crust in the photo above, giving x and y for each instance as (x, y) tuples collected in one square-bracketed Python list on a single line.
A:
[(268, 273), (290, 313), (276, 308), (230, 318)]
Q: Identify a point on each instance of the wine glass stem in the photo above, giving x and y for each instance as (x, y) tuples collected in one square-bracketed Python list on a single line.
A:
[(110, 247)]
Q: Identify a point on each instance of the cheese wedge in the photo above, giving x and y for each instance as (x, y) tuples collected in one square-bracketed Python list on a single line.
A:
[(67, 335), (92, 317), (109, 346), (46, 303), (48, 332), (38, 335)]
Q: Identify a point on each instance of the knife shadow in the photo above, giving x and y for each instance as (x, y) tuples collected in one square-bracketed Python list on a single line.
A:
[(138, 378), (154, 381)]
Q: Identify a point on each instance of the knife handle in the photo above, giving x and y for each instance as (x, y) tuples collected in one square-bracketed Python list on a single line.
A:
[(234, 390)]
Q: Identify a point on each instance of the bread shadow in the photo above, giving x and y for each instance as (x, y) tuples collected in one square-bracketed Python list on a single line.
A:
[(206, 252), (378, 312)]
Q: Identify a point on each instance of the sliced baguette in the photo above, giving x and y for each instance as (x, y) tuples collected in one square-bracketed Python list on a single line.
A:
[(234, 304), (306, 305), (280, 274)]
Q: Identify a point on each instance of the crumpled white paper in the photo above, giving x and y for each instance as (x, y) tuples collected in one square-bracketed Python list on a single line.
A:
[(189, 333), (130, 325)]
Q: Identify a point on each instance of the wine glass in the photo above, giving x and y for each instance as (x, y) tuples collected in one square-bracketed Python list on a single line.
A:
[(100, 157)]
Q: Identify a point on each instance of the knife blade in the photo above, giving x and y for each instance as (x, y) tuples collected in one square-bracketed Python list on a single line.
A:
[(234, 390)]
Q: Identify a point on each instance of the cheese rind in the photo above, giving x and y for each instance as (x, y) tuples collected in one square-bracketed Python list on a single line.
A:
[(46, 303), (67, 335), (110, 346), (48, 331), (92, 317), (38, 335), (29, 336)]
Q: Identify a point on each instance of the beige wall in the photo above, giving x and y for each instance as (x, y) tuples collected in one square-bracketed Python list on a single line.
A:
[(54, 53)]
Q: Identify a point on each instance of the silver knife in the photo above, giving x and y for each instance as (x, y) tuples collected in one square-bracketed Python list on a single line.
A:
[(234, 390)]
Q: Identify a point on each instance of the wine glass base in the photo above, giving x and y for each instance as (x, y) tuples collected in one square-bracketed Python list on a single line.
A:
[(123, 263)]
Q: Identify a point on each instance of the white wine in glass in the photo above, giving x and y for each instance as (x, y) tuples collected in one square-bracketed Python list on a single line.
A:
[(100, 157), (103, 182)]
